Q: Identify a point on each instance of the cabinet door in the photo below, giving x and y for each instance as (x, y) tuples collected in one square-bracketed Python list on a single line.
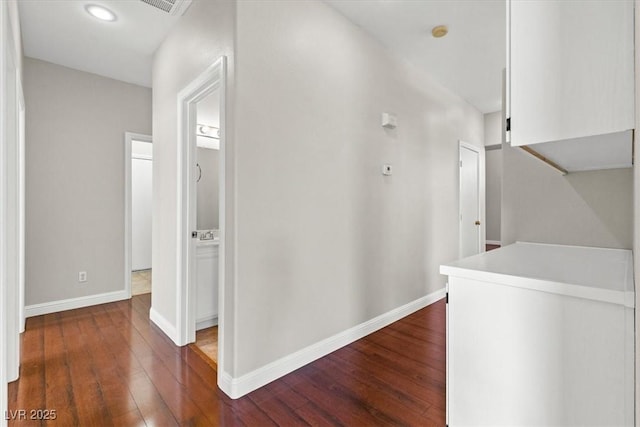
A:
[(207, 283), (521, 357), (571, 69)]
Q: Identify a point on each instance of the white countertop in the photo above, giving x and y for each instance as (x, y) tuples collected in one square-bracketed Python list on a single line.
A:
[(593, 273), (208, 242)]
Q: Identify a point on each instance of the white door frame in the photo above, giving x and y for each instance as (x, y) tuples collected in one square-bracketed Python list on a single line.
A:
[(481, 195), (11, 212), (213, 78), (129, 137), (21, 206), (3, 249)]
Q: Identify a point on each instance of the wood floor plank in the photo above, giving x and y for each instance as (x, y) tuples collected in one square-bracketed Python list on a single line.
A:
[(110, 365), (131, 418), (376, 393), (249, 414), (281, 414), (207, 345), (361, 365), (149, 402), (59, 389), (332, 398), (316, 416), (381, 356), (29, 391), (390, 406)]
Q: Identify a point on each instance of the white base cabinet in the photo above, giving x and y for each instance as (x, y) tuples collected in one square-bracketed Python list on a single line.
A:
[(207, 254), (528, 350)]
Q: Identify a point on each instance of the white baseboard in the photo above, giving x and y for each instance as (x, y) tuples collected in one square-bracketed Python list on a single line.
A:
[(166, 326), (72, 303), (207, 322), (238, 387), (494, 242)]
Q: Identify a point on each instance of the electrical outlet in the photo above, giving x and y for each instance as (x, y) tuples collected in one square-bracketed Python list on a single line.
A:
[(82, 276)]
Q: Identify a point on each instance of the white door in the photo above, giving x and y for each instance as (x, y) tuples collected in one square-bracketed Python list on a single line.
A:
[(469, 201), (141, 205)]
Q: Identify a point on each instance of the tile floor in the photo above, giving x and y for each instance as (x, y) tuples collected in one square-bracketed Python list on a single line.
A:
[(207, 344), (141, 282)]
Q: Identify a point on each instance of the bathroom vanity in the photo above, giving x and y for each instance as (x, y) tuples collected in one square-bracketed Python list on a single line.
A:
[(207, 254), (541, 335)]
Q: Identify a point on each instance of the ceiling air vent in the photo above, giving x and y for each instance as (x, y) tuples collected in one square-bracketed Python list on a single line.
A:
[(173, 7)]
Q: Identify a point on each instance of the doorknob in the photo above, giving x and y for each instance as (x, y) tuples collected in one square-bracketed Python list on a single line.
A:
[(477, 222)]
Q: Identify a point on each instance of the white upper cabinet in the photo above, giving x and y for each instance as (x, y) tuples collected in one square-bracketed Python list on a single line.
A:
[(571, 78)]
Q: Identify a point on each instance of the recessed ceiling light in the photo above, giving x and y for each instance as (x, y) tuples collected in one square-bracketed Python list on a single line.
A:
[(100, 12), (439, 31)]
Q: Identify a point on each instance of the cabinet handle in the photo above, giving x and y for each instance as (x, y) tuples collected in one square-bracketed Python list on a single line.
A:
[(477, 222)]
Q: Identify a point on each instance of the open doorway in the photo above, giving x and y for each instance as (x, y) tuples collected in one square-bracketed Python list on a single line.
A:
[(139, 189), (207, 224), (199, 243)]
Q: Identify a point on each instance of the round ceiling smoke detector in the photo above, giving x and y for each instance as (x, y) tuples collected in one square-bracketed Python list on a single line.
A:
[(439, 31), (100, 12)]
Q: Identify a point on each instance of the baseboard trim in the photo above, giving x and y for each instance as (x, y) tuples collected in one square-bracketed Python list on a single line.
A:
[(207, 322), (165, 326), (73, 303), (238, 387), (494, 242)]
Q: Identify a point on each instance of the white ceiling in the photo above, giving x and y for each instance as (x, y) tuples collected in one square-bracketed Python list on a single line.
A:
[(62, 32), (468, 61)]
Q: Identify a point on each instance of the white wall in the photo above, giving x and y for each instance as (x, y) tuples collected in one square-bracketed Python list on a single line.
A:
[(75, 178), (582, 208), (493, 137), (493, 128), (324, 241)]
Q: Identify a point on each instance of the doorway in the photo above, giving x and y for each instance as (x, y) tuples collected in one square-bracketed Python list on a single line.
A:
[(207, 239), (471, 164), (138, 203), (210, 81)]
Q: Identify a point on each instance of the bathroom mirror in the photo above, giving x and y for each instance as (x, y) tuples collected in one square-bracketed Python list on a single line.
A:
[(208, 153)]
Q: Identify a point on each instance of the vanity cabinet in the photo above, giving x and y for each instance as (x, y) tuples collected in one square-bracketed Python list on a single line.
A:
[(207, 254), (570, 70)]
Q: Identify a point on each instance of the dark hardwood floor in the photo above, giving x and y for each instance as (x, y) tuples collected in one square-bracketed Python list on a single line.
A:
[(109, 365)]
